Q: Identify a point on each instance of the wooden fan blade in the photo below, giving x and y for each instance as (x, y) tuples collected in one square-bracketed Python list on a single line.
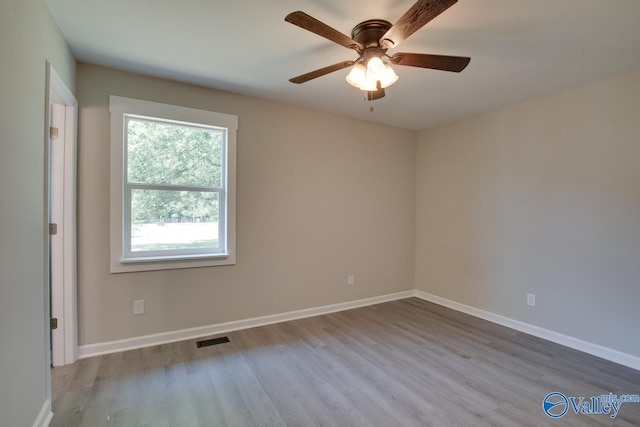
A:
[(436, 62), (415, 18), (310, 23), (321, 72)]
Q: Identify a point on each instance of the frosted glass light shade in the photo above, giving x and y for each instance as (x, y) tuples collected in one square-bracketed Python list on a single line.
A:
[(387, 76), (375, 66), (357, 75)]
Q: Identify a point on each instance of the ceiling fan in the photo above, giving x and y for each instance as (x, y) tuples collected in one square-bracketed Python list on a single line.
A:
[(371, 39)]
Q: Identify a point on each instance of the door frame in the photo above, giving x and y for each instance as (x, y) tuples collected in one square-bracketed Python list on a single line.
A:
[(65, 293)]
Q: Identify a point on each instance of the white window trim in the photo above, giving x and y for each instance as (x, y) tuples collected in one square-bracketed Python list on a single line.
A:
[(118, 107)]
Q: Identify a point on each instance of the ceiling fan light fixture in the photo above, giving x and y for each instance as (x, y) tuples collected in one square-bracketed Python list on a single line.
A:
[(372, 71), (367, 77)]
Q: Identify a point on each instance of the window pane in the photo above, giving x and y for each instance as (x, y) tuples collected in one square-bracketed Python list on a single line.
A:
[(169, 153), (174, 220)]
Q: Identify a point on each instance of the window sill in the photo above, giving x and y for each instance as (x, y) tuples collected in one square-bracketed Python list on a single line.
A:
[(171, 258), (172, 262)]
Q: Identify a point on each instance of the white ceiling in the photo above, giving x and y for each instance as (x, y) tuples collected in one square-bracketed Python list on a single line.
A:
[(519, 49)]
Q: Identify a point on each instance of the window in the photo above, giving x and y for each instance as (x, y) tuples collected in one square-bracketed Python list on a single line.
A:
[(172, 186)]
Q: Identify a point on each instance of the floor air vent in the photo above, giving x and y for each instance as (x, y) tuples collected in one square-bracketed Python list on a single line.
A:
[(212, 341)]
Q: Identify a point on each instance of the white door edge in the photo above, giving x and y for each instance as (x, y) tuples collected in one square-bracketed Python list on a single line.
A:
[(63, 269)]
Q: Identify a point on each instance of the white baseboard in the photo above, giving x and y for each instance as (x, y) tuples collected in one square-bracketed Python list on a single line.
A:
[(98, 349), (45, 416), (575, 343), (221, 328)]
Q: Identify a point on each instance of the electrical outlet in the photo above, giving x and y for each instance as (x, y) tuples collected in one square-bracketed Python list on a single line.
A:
[(531, 300), (138, 307), (351, 280)]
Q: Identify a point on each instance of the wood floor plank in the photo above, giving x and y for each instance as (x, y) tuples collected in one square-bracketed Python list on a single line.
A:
[(402, 363)]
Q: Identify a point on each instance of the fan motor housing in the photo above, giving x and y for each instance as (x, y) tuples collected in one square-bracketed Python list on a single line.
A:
[(369, 33)]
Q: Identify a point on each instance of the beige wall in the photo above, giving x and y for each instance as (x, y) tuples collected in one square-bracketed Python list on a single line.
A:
[(541, 197), (319, 197), (28, 37)]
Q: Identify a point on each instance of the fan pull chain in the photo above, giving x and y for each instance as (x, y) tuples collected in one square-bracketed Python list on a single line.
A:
[(371, 108)]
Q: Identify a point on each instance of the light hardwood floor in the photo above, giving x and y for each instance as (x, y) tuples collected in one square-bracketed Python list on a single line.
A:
[(402, 363)]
